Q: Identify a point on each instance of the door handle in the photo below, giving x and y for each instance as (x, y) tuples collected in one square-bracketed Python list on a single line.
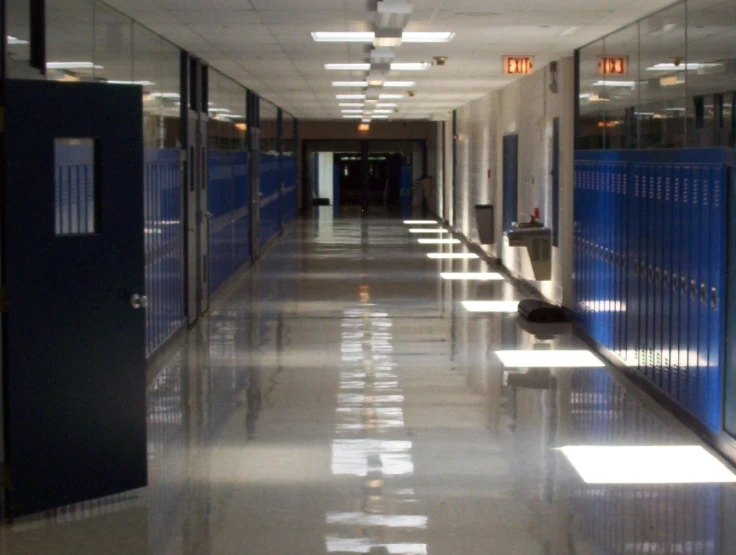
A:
[(138, 301)]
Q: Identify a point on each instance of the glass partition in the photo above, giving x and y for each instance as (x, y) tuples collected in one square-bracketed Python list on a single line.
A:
[(677, 88)]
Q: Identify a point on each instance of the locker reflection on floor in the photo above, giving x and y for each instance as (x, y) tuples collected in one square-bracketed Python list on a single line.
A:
[(340, 399)]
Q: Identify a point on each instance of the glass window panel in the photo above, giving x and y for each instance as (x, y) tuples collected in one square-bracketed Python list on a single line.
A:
[(269, 114), (147, 51), (620, 123), (592, 98), (113, 55), (18, 39), (710, 73), (70, 40), (170, 104), (74, 192), (663, 91)]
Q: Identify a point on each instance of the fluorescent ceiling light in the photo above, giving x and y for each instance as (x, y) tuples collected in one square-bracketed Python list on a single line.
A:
[(473, 276), (399, 83), (386, 105), (413, 66), (645, 464), (361, 36), (350, 96), (439, 241), (424, 230), (351, 104), (672, 67), (349, 83), (390, 96), (320, 36), (383, 111), (16, 41), (358, 111), (549, 359), (348, 67), (217, 110), (491, 306), (72, 65), (142, 83), (605, 83), (451, 255), (428, 37), (236, 116), (166, 95), (420, 222)]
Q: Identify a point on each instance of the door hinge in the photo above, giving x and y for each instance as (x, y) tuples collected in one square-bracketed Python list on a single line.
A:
[(4, 303)]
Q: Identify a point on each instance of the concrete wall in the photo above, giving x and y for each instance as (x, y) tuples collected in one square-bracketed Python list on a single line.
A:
[(527, 108)]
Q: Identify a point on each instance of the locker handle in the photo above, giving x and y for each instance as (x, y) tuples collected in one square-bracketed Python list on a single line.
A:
[(693, 289), (713, 298), (683, 285), (703, 295), (675, 282)]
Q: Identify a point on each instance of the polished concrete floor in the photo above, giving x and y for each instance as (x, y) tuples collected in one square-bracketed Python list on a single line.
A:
[(341, 399)]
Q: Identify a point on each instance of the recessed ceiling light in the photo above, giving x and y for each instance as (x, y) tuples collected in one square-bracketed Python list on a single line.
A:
[(549, 359), (357, 111), (382, 111), (438, 241), (605, 83), (320, 36), (390, 96), (386, 105), (473, 276), (361, 36), (349, 83), (350, 96), (414, 66), (348, 67), (351, 104), (72, 65), (141, 83), (380, 117), (165, 95), (420, 222), (214, 109), (424, 230), (647, 464), (399, 83), (491, 306), (679, 67), (451, 255), (428, 37)]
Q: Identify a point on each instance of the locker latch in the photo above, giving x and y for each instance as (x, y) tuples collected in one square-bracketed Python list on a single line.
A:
[(675, 282), (714, 298), (683, 285), (693, 289), (703, 296)]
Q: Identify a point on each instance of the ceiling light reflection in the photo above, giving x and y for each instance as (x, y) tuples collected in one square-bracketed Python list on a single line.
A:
[(439, 241), (658, 464), (420, 222), (451, 255), (549, 359), (491, 306), (424, 230), (472, 276)]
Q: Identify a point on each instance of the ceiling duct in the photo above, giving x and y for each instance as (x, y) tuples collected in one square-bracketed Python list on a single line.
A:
[(393, 14), (388, 38), (382, 56)]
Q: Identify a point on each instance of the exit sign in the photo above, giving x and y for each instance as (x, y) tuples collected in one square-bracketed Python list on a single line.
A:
[(613, 65), (518, 65)]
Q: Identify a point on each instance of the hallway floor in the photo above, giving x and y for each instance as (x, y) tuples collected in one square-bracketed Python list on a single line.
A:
[(341, 399)]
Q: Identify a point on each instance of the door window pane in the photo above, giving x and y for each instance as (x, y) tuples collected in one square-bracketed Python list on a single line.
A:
[(74, 192)]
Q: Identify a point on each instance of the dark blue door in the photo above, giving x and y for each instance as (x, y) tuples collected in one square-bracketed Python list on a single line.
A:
[(510, 180), (74, 391)]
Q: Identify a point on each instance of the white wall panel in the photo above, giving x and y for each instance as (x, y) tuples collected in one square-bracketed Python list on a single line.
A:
[(525, 107)]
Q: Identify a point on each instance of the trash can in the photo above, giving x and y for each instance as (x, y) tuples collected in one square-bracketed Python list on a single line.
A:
[(485, 223)]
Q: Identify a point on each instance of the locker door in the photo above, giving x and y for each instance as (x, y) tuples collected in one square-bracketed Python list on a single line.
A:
[(675, 290), (693, 303), (715, 292), (705, 259), (657, 258), (632, 265), (648, 271), (666, 271), (686, 228)]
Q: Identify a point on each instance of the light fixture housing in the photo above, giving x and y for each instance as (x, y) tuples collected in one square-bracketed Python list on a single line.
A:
[(445, 36), (369, 36), (348, 67), (388, 38), (350, 96), (411, 66), (452, 255), (399, 84), (349, 83), (351, 104), (390, 96), (492, 306), (349, 36), (73, 65)]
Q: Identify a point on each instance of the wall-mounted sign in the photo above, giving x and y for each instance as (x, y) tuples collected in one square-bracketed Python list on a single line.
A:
[(613, 65), (518, 65)]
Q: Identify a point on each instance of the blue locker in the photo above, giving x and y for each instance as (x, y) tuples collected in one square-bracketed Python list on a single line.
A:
[(647, 271), (716, 292), (632, 264), (693, 367), (675, 215), (668, 244), (705, 260), (657, 263)]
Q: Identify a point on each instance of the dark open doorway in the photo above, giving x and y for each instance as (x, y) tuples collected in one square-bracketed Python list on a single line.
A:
[(380, 187)]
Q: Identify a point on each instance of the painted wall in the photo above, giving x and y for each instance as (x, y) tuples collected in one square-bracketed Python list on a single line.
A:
[(527, 108), (326, 175)]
